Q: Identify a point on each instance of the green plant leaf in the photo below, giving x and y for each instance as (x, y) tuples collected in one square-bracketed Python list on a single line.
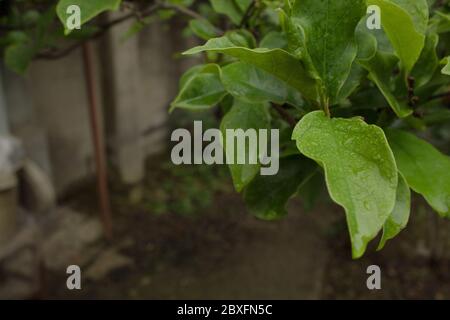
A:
[(233, 9), (399, 217), (249, 83), (203, 29), (426, 170), (266, 196), (328, 29), (367, 48), (440, 22), (18, 56), (277, 62), (380, 69), (360, 170), (243, 4), (201, 89), (89, 9), (312, 189), (353, 81), (405, 23), (428, 61), (273, 40), (446, 69), (244, 115)]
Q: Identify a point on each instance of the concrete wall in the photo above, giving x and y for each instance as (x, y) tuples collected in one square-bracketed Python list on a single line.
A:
[(136, 80), (23, 118)]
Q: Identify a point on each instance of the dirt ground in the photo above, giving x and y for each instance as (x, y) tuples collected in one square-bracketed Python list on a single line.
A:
[(214, 249)]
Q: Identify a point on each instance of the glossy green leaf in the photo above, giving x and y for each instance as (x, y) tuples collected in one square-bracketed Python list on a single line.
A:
[(247, 82), (266, 196), (399, 217), (426, 170), (360, 170), (277, 62), (89, 9), (405, 23), (329, 38), (201, 88), (244, 115)]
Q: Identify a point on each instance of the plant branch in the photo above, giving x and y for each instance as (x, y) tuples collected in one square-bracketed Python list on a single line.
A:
[(412, 98), (186, 11), (248, 14), (56, 54), (439, 96), (103, 28), (285, 115)]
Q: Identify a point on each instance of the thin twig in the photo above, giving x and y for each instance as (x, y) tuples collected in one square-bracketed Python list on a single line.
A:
[(285, 115), (184, 10), (412, 98), (103, 28), (50, 55), (248, 13), (439, 96)]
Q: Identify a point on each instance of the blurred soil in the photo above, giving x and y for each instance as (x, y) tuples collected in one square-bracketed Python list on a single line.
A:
[(192, 238)]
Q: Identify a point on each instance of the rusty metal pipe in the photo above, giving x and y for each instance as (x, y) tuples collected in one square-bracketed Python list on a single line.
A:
[(98, 141)]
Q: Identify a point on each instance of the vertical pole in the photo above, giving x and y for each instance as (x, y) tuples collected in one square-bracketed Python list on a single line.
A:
[(4, 127), (99, 145)]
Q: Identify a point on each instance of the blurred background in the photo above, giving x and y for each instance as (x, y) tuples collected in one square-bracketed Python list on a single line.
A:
[(174, 232)]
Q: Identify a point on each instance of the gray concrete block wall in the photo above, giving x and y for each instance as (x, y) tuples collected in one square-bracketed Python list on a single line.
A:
[(59, 95), (23, 119), (136, 80)]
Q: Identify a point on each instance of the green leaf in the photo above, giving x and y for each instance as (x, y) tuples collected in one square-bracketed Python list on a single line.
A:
[(405, 23), (231, 8), (329, 38), (89, 9), (446, 69), (18, 56), (367, 48), (399, 217), (203, 29), (273, 40), (243, 4), (352, 83), (428, 61), (380, 69), (360, 170), (266, 196), (244, 116), (277, 62), (249, 83), (426, 170), (201, 89), (312, 190), (441, 22)]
